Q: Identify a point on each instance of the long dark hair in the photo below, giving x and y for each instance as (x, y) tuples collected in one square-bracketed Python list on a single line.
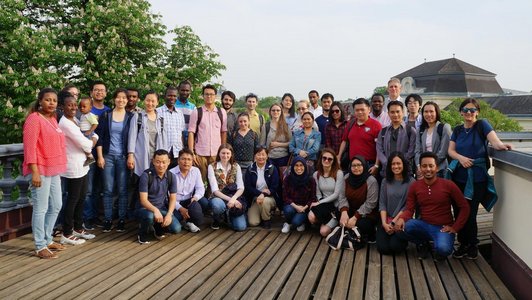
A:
[(424, 124), (292, 109), (37, 104), (342, 115), (406, 167)]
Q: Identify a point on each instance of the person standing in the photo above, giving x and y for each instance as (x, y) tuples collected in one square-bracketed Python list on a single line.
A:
[(256, 120), (228, 100), (394, 92), (289, 109), (314, 108), (244, 141), (132, 100), (335, 127), (183, 104), (322, 120), (174, 124), (377, 111), (276, 137)]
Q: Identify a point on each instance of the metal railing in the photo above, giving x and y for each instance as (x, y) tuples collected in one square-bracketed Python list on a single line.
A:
[(9, 154)]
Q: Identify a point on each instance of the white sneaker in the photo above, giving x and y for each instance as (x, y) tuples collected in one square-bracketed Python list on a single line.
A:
[(191, 227), (301, 227), (83, 235), (286, 228), (71, 240)]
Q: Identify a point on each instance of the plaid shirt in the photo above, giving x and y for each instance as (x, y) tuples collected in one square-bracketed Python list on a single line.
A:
[(174, 124), (333, 135)]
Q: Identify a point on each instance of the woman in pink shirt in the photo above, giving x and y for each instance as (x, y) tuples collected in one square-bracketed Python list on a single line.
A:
[(45, 160)]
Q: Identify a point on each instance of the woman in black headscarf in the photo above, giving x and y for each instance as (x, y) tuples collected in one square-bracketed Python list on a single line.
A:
[(299, 191), (359, 206)]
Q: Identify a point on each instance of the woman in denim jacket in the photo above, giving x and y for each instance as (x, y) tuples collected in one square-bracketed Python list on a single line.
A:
[(306, 142)]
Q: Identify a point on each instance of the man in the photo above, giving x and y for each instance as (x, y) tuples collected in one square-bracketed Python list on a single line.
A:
[(132, 99), (315, 109), (326, 102), (433, 197), (94, 185), (377, 111), (361, 132), (174, 124), (256, 120), (189, 199), (185, 106), (396, 137), (207, 131), (394, 91), (157, 194), (228, 100)]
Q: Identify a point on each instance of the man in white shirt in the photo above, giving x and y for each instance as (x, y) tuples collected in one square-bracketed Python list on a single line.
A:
[(315, 109), (394, 92), (377, 110)]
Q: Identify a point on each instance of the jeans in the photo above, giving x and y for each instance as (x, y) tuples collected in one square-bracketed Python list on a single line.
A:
[(419, 231), (47, 202), (94, 188), (146, 220), (293, 217), (219, 210), (115, 170), (73, 210), (194, 211)]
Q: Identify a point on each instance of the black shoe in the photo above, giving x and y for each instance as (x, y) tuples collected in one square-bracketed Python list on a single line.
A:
[(107, 226), (461, 251), (142, 239), (422, 251), (88, 225), (472, 252), (438, 257), (97, 222), (121, 226), (158, 232), (267, 224), (215, 225)]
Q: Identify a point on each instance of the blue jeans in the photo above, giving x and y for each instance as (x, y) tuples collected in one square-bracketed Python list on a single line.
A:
[(219, 210), (293, 217), (146, 221), (94, 187), (419, 231), (115, 170), (47, 202)]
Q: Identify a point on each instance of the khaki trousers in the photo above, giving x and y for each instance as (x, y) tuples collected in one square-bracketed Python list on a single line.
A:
[(256, 212)]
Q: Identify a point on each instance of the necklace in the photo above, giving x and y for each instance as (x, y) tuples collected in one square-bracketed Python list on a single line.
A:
[(467, 130), (51, 124)]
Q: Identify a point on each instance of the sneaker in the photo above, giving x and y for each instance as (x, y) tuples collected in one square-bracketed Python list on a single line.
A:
[(88, 161), (461, 251), (158, 232), (422, 251), (286, 228), (45, 253), (191, 227), (107, 226), (142, 239), (121, 226), (71, 240), (87, 225), (472, 252), (372, 239), (56, 246), (83, 235), (301, 228), (215, 225), (267, 224), (97, 222)]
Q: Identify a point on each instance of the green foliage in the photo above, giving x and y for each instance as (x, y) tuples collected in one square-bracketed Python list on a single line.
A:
[(380, 89), (51, 43), (499, 121)]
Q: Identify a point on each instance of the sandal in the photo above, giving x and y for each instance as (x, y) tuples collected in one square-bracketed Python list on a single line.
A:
[(45, 253), (56, 246)]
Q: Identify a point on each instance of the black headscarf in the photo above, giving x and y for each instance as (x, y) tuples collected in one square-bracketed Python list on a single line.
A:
[(356, 181), (299, 180)]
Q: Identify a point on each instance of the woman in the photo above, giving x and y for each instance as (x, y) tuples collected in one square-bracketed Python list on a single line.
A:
[(358, 207), (390, 238), (413, 103), (330, 186), (276, 137), (299, 192), (227, 186), (244, 141), (468, 147), (433, 136), (306, 142), (113, 130), (76, 174), (302, 108), (289, 109), (45, 160), (335, 127), (261, 184)]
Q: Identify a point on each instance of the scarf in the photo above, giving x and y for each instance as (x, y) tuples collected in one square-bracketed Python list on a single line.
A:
[(356, 181), (299, 180)]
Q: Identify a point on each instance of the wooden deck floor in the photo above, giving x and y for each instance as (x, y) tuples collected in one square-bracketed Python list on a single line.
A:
[(222, 264)]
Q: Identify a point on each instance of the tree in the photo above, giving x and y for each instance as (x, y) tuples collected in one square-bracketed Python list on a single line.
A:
[(49, 43), (381, 90)]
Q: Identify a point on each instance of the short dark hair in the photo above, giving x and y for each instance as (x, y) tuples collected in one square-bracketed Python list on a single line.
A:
[(395, 102), (96, 83), (118, 91), (160, 152), (35, 107), (327, 95), (230, 94), (406, 167), (243, 114), (251, 95), (473, 101), (133, 90), (185, 151), (416, 97), (152, 92), (259, 149), (361, 101), (314, 91), (170, 88), (208, 87), (308, 113), (61, 96), (183, 82), (377, 95), (428, 154)]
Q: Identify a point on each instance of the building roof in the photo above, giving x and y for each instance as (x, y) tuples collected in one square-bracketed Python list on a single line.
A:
[(450, 66), (511, 105)]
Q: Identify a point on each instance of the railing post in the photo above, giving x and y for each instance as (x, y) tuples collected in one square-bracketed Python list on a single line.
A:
[(8, 155)]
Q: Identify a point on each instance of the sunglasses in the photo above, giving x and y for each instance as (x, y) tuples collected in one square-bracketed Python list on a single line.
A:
[(465, 110), (325, 158), (335, 111)]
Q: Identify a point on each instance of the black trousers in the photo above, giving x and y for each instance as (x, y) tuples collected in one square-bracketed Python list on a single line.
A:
[(468, 235), (73, 211), (391, 244)]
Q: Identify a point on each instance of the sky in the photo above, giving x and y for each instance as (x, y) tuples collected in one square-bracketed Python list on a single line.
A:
[(349, 47)]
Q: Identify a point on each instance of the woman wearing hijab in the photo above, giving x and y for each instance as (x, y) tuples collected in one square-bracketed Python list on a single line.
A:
[(299, 192), (359, 206)]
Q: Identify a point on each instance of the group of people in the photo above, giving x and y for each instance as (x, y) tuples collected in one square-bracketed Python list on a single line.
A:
[(379, 170)]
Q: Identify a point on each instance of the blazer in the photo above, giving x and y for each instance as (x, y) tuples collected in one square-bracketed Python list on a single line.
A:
[(440, 146)]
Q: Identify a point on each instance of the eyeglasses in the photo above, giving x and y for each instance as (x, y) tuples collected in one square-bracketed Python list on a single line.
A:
[(465, 110), (325, 158), (356, 166), (301, 108), (335, 111)]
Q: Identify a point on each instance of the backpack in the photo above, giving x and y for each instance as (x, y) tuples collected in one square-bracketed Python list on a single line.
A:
[(139, 122), (439, 130), (385, 129), (169, 178), (200, 116), (345, 160), (479, 125)]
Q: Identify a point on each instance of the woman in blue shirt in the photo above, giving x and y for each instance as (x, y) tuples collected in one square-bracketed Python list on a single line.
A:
[(306, 142)]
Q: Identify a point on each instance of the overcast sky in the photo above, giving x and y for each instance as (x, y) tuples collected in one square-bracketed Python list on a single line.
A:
[(349, 47)]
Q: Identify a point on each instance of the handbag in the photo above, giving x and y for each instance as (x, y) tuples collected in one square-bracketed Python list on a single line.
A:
[(230, 190), (345, 238)]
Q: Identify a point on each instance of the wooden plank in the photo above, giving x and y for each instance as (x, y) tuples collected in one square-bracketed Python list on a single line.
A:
[(449, 281), (388, 277), (357, 286), (480, 282), (300, 271), (231, 272), (323, 291), (404, 282), (465, 283), (274, 286), (341, 286), (433, 279), (373, 283), (493, 279), (416, 272), (312, 276)]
